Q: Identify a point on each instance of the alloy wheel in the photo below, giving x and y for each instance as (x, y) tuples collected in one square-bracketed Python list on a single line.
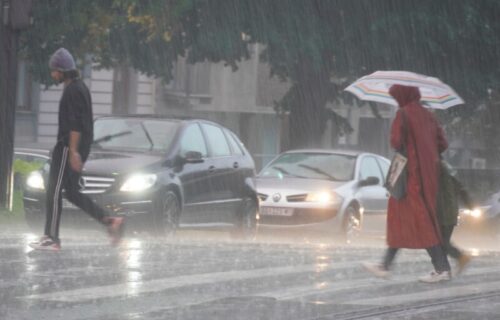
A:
[(352, 225), (169, 214)]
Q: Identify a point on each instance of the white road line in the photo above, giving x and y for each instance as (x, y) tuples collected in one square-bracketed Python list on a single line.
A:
[(433, 292), (301, 292), (156, 285), (136, 288)]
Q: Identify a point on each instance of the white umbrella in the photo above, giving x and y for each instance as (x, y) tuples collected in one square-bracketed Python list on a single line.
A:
[(375, 87)]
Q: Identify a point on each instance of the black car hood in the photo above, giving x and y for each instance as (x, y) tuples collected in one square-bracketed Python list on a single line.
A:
[(109, 163)]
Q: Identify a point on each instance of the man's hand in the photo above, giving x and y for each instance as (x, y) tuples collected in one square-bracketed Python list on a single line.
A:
[(75, 161)]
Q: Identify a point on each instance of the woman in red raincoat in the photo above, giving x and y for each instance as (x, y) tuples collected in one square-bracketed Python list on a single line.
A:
[(412, 221)]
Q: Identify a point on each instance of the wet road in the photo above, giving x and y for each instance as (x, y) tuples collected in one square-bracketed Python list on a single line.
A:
[(206, 275)]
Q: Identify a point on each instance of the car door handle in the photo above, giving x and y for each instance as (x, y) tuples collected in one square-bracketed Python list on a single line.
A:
[(211, 169), (236, 165)]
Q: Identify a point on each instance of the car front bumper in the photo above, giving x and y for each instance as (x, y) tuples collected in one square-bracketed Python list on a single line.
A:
[(300, 217)]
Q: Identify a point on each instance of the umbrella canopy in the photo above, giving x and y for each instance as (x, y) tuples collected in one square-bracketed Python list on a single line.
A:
[(375, 87)]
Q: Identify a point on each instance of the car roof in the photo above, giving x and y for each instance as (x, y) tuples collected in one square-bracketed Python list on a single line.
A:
[(179, 119), (43, 153), (346, 152)]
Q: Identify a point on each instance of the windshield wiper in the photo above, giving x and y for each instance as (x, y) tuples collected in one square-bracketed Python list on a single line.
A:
[(286, 173), (147, 136), (318, 170), (111, 136)]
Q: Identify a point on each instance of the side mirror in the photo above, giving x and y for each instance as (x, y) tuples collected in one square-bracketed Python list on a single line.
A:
[(370, 181), (193, 157)]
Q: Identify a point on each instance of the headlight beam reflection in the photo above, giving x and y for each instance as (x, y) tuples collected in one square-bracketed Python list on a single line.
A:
[(133, 262)]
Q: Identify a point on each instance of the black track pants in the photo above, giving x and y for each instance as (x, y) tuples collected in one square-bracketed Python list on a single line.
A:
[(63, 177), (450, 249)]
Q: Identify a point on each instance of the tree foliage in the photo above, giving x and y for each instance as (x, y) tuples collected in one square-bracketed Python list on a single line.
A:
[(318, 46), (107, 32)]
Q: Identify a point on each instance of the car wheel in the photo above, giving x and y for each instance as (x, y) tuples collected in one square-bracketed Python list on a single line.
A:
[(246, 220), (167, 214), (352, 224)]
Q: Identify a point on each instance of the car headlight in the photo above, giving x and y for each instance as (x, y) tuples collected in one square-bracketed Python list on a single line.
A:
[(323, 197), (476, 213), (139, 182), (35, 180)]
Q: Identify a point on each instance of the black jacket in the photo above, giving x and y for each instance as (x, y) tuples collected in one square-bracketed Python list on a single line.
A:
[(75, 114), (451, 193)]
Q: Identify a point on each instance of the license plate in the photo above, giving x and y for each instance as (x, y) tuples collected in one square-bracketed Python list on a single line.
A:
[(272, 211)]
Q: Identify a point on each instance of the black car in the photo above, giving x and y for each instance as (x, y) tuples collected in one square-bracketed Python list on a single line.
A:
[(162, 173)]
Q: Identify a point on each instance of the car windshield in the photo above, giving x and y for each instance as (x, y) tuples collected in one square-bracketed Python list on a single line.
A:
[(322, 166), (134, 134)]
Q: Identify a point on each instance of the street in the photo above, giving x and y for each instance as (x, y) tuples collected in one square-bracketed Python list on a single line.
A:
[(206, 275)]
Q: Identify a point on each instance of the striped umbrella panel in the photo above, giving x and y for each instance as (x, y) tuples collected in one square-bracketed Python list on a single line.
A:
[(375, 87)]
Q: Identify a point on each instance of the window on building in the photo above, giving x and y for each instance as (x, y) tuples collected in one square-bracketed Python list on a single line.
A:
[(24, 86), (372, 135), (191, 79)]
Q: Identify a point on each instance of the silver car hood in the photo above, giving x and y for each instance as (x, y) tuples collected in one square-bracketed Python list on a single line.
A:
[(296, 185)]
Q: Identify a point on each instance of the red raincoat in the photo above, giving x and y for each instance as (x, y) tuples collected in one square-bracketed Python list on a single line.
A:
[(412, 221)]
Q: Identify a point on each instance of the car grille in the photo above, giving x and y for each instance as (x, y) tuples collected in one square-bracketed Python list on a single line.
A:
[(262, 197), (297, 198), (292, 198), (95, 185)]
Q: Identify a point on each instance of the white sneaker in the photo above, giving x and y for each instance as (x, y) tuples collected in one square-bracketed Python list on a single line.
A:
[(376, 269), (434, 277), (37, 242), (47, 244)]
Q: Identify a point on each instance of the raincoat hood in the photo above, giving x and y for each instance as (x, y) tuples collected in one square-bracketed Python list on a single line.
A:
[(404, 95)]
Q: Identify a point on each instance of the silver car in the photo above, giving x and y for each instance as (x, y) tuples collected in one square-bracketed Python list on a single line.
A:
[(338, 191), (485, 217)]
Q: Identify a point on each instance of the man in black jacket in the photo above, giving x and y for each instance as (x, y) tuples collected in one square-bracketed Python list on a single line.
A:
[(74, 138)]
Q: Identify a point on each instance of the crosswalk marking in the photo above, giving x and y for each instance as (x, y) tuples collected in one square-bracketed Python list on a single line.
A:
[(151, 286), (287, 292), (301, 292), (156, 285)]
